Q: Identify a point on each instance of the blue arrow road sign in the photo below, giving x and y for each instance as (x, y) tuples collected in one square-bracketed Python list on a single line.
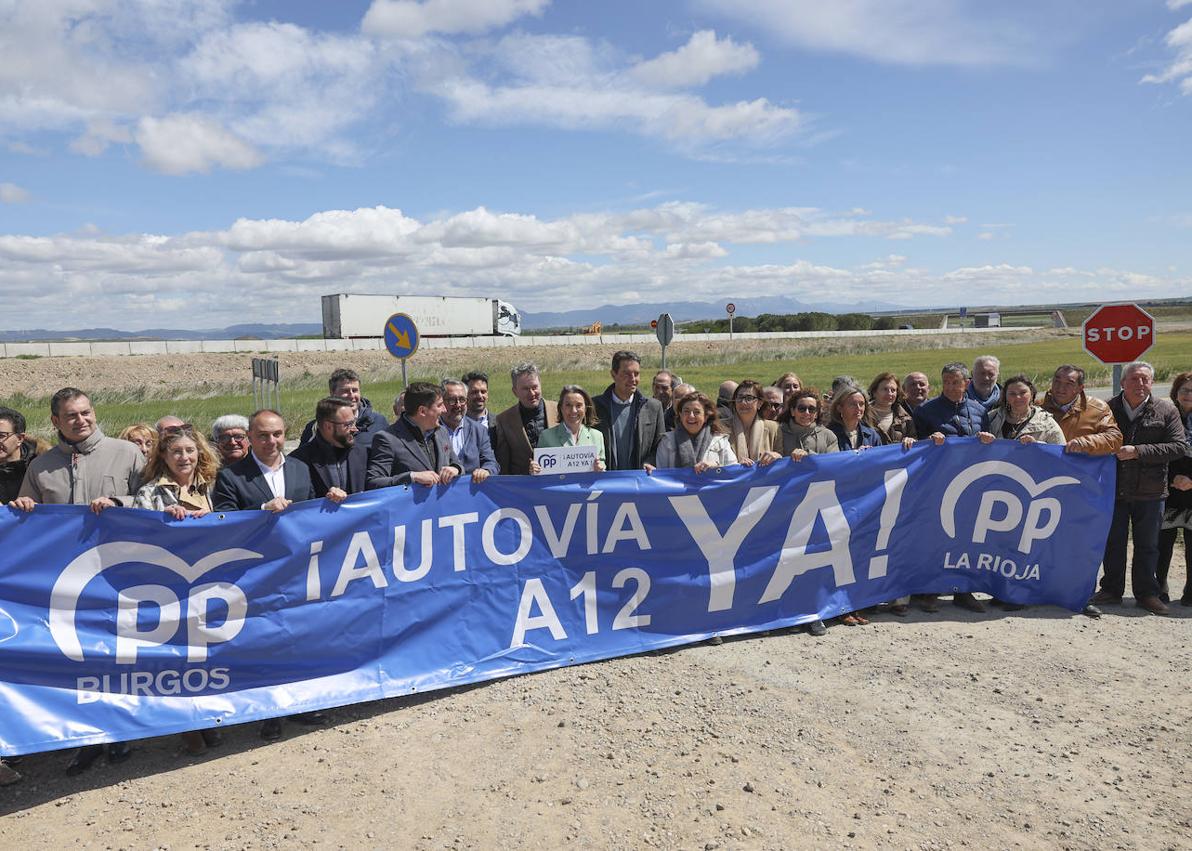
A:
[(401, 336)]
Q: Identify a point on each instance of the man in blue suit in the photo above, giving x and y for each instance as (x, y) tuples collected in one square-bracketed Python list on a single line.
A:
[(265, 478), (469, 437)]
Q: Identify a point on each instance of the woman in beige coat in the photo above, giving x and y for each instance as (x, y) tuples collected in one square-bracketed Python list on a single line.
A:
[(754, 439)]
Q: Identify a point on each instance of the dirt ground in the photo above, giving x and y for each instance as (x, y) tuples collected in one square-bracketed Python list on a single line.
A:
[(1038, 729)]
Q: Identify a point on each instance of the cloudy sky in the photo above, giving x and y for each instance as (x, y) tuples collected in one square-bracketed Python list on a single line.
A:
[(195, 164)]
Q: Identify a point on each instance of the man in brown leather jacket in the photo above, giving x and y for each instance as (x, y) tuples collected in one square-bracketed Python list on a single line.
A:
[(1087, 423), (1152, 436)]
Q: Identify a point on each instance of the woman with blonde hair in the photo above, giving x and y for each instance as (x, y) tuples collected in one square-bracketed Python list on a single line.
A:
[(179, 476), (143, 435)]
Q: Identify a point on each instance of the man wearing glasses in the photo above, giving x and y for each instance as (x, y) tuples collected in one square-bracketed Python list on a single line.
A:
[(469, 437), (337, 461), (229, 433), (771, 405)]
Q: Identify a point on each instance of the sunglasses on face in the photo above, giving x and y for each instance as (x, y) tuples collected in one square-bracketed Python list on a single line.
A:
[(773, 404), (233, 438), (176, 429), (806, 409)]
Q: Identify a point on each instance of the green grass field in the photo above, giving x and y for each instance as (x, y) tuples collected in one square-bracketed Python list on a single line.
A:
[(705, 369)]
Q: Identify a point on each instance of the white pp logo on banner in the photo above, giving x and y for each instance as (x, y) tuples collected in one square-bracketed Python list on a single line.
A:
[(1034, 527), (64, 600)]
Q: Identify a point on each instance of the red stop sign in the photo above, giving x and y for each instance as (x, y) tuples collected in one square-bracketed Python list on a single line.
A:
[(1118, 333)]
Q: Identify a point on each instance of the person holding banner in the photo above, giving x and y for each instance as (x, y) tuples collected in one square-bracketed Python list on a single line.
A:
[(1152, 437), (701, 440), (847, 419), (16, 451), (801, 428), (337, 458), (85, 468), (753, 437), (953, 413), (1017, 417), (265, 479), (469, 438), (577, 428), (181, 470), (416, 449)]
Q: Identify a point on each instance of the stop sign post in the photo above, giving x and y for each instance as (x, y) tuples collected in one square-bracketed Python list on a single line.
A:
[(1118, 334)]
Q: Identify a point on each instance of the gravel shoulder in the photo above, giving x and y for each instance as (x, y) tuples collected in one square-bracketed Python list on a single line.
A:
[(1036, 729)]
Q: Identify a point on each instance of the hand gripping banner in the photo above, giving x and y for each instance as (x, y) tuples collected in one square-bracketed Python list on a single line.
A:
[(128, 624)]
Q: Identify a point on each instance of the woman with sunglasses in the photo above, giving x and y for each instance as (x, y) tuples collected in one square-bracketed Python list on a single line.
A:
[(802, 435), (800, 426), (754, 439)]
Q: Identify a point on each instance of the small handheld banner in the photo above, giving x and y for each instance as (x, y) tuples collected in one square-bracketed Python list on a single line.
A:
[(566, 459), (129, 624)]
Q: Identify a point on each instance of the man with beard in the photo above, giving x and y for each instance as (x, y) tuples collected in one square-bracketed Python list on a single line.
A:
[(345, 384), (984, 387), (337, 460)]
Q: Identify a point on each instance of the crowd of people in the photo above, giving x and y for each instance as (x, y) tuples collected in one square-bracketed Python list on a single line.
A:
[(443, 431)]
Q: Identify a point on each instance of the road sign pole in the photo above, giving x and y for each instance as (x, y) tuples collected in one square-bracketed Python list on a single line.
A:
[(405, 380), (730, 326), (664, 357), (1117, 378)]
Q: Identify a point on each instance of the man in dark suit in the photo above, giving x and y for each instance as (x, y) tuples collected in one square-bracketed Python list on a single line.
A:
[(632, 425), (265, 478), (338, 461), (469, 437), (345, 384), (415, 448), (516, 429)]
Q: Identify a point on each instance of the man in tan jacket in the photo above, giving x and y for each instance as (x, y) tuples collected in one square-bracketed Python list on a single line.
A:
[(516, 429), (1088, 424)]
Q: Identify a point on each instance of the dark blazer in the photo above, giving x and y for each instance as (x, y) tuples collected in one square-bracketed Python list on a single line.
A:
[(242, 487), (399, 450), (368, 421), (477, 449), (320, 456), (648, 418), (867, 435), (510, 444)]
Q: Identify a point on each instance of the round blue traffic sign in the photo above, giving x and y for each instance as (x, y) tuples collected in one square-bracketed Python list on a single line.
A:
[(401, 336)]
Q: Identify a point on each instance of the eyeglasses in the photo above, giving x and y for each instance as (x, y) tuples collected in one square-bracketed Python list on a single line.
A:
[(747, 398), (5, 435), (232, 438), (772, 405), (806, 409), (348, 426)]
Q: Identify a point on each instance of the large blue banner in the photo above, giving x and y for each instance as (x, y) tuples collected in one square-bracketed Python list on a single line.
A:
[(128, 624)]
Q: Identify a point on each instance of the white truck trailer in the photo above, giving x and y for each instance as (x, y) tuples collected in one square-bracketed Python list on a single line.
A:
[(347, 315)]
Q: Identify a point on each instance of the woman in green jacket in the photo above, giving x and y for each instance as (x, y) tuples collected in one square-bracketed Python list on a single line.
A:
[(578, 415)]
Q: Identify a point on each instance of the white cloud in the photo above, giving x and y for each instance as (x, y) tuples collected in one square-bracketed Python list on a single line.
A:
[(1178, 4), (1179, 70), (911, 32), (703, 57), (100, 133), (410, 19), (279, 268), (985, 235), (10, 193), (185, 143)]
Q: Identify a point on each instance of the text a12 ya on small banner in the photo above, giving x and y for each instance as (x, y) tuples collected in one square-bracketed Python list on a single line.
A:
[(126, 625)]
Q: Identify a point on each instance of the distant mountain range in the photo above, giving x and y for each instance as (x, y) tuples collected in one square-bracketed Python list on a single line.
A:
[(609, 314), (279, 331), (640, 314)]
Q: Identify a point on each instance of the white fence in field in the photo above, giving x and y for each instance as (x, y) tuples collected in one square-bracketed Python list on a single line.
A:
[(184, 347)]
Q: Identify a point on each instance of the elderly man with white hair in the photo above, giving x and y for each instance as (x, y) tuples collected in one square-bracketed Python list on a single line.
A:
[(983, 387), (1152, 436)]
